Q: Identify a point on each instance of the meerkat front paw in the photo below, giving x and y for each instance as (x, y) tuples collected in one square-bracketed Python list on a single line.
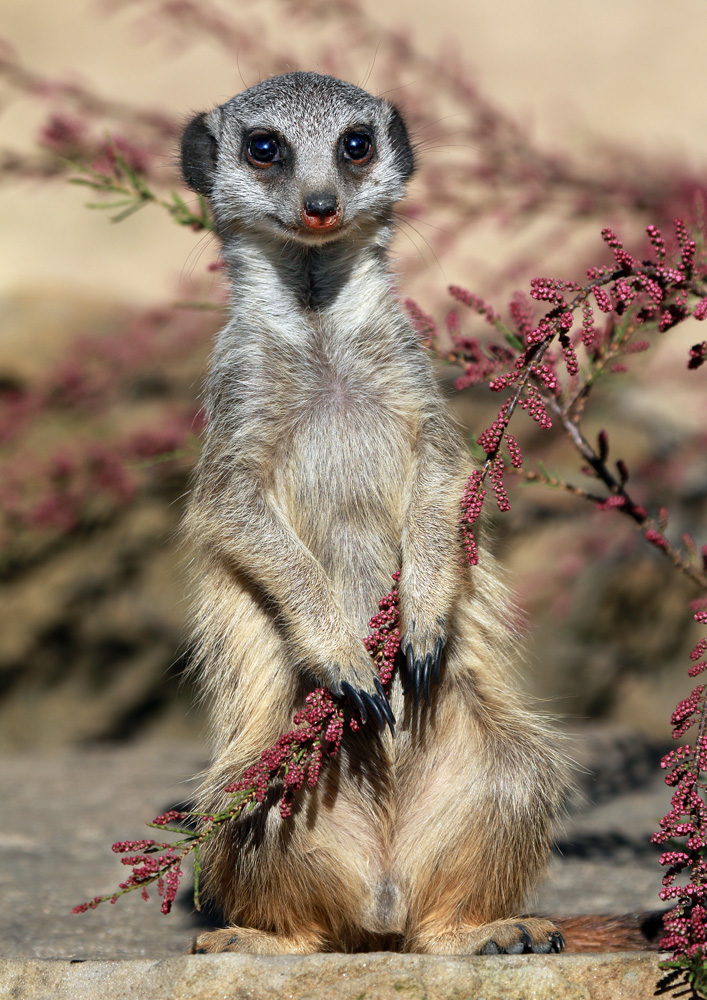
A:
[(363, 689), (422, 650)]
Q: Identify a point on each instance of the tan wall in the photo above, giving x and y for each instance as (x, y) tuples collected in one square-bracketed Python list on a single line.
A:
[(627, 71)]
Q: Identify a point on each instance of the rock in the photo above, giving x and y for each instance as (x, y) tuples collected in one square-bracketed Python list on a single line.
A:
[(374, 976)]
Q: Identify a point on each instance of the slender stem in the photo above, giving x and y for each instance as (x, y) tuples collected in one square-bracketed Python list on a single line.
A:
[(560, 484)]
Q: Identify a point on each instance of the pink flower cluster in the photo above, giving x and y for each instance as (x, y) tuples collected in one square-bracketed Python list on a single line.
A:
[(686, 766), (51, 494), (294, 759), (297, 756), (70, 137), (164, 869)]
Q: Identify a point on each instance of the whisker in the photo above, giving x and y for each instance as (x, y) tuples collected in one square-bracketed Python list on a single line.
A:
[(195, 255), (444, 118), (402, 221), (370, 68), (422, 222)]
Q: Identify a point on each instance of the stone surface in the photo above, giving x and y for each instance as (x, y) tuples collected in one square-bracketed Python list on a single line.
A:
[(378, 976), (61, 812)]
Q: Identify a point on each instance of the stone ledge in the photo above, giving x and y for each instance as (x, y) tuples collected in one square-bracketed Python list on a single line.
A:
[(375, 976)]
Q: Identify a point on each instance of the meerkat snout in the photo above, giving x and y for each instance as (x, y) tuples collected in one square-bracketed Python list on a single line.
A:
[(320, 210)]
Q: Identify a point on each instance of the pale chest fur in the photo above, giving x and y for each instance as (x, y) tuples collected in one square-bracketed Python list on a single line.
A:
[(344, 450)]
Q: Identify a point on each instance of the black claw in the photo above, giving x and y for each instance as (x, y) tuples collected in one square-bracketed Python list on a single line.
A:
[(438, 655), (410, 668), (557, 942), (389, 717), (372, 705), (385, 705), (491, 948), (527, 943), (426, 678), (417, 681), (354, 697)]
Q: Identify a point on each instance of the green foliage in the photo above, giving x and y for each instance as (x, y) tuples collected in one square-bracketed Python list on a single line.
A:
[(694, 974), (133, 192)]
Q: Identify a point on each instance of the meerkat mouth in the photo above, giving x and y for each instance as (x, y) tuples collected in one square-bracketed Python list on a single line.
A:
[(305, 234), (318, 222)]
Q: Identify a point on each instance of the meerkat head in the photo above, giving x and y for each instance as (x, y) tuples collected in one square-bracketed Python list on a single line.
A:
[(301, 156)]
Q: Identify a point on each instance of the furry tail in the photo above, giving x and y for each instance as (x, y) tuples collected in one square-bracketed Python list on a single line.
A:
[(628, 932)]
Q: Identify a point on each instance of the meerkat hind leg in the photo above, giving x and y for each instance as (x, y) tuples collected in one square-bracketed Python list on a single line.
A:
[(248, 940), (509, 937), (482, 809)]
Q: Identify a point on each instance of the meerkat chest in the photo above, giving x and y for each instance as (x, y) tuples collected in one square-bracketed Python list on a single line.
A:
[(347, 437)]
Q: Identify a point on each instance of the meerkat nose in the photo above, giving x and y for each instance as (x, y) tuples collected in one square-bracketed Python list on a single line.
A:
[(320, 210)]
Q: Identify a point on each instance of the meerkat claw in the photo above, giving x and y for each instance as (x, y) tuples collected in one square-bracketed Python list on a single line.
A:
[(420, 673), (417, 681), (389, 717), (554, 943), (369, 706), (385, 706), (557, 942), (526, 943), (355, 698), (426, 678), (373, 708)]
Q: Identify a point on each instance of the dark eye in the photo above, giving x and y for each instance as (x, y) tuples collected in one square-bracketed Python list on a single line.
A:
[(358, 147), (263, 149)]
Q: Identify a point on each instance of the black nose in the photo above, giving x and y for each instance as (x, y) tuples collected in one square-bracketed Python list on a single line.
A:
[(321, 204)]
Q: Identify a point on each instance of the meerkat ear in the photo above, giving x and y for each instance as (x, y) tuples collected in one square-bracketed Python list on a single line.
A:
[(400, 143), (198, 155)]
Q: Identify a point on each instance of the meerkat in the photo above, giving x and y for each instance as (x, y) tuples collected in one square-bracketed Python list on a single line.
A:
[(329, 463)]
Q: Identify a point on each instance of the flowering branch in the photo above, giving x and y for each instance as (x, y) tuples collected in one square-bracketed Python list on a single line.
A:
[(684, 828), (651, 294), (294, 760)]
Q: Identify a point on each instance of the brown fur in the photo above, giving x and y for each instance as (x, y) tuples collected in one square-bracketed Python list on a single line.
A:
[(601, 933), (329, 463)]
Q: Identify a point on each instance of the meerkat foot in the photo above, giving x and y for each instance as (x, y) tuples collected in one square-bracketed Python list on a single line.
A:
[(521, 935), (247, 940)]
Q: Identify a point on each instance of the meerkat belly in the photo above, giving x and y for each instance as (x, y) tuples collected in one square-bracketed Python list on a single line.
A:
[(342, 480)]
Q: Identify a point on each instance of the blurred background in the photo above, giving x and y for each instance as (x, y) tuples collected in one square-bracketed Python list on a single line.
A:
[(536, 124)]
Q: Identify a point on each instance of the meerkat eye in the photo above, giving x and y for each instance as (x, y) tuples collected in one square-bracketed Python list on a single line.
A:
[(358, 147), (263, 149)]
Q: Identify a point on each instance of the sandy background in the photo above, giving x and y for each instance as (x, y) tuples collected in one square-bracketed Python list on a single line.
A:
[(581, 79), (88, 635), (615, 71)]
